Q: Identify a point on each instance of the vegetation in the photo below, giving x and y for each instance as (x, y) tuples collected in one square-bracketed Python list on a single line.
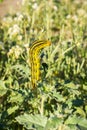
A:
[(61, 102)]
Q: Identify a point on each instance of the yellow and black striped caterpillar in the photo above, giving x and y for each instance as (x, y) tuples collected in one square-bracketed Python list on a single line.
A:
[(35, 60)]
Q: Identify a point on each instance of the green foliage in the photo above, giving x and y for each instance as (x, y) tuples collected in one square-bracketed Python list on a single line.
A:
[(76, 120), (32, 119), (61, 100), (38, 122), (3, 88)]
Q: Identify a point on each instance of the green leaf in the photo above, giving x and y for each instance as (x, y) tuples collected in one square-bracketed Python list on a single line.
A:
[(12, 110), (32, 119), (71, 85), (24, 121), (58, 96), (16, 97), (22, 70), (77, 120), (53, 122), (83, 122), (72, 120), (3, 89), (85, 87), (72, 127), (80, 111)]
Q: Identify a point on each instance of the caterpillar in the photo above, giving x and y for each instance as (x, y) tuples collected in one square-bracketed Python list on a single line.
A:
[(35, 60)]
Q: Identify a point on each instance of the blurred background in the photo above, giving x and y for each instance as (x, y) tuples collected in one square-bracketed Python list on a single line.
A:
[(7, 6)]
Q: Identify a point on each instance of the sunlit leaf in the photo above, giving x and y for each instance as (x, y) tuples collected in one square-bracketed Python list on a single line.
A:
[(85, 87), (58, 96), (83, 122), (3, 89), (53, 122), (77, 120), (16, 97), (80, 111), (32, 119), (71, 85), (12, 110)]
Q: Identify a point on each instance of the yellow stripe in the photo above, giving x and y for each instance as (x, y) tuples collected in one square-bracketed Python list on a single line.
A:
[(35, 61), (38, 44)]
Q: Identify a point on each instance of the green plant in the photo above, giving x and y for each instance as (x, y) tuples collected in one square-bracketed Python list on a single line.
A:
[(61, 102)]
